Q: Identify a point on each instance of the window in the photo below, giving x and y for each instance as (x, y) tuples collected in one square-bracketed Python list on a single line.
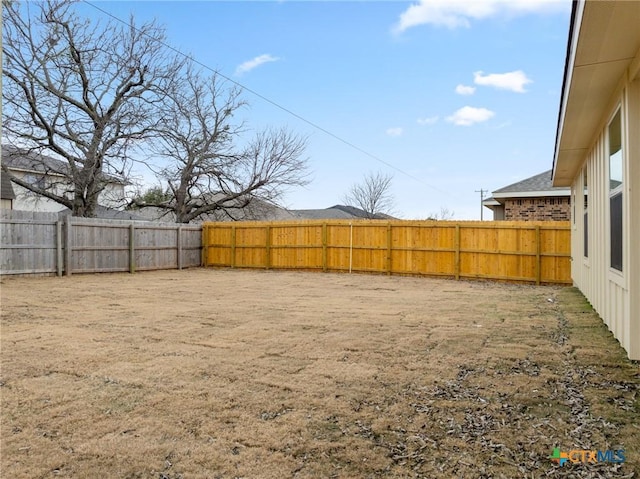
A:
[(585, 184), (615, 191)]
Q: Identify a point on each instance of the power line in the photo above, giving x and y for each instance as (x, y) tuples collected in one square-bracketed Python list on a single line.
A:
[(272, 102)]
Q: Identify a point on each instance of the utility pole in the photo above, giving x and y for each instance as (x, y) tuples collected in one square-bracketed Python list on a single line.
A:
[(482, 192)]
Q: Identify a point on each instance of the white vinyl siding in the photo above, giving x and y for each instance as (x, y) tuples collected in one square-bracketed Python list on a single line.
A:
[(608, 289)]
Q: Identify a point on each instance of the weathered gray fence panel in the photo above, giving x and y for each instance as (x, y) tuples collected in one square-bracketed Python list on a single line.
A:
[(98, 246), (191, 246), (38, 243), (28, 242)]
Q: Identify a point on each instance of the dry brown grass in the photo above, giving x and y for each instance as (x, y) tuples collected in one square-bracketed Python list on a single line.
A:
[(226, 373)]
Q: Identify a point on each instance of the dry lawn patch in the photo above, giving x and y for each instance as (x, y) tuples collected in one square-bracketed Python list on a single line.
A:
[(226, 373)]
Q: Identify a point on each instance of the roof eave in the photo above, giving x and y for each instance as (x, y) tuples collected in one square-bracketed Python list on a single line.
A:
[(490, 203), (603, 47), (577, 8), (533, 194)]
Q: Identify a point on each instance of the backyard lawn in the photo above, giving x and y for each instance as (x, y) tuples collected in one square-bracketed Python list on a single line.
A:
[(263, 374)]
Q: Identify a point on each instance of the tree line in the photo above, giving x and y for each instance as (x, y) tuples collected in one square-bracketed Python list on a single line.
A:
[(107, 97)]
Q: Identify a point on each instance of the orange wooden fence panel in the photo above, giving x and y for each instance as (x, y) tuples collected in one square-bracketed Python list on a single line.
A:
[(536, 252)]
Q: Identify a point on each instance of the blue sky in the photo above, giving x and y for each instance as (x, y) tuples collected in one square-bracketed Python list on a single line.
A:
[(454, 95)]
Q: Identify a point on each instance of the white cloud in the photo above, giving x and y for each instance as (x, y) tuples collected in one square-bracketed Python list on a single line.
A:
[(397, 131), (428, 121), (459, 13), (469, 115), (465, 90), (254, 63), (513, 81)]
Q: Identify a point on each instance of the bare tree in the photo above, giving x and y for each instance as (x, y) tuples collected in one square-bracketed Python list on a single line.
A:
[(372, 195), (205, 171), (444, 215), (81, 91)]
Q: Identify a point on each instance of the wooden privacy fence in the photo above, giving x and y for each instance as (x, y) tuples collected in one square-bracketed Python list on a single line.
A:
[(507, 250), (41, 243)]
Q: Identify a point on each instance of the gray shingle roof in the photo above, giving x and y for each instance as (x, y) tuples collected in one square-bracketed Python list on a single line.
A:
[(108, 213), (540, 182), (24, 159), (322, 214), (336, 212), (20, 159)]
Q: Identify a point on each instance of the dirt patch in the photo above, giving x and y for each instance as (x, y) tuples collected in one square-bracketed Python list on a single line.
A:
[(227, 373)]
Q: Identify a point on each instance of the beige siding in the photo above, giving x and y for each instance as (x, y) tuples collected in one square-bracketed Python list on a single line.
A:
[(614, 295), (633, 172)]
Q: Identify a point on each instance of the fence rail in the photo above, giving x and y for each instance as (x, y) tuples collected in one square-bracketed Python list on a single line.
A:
[(507, 250), (41, 243)]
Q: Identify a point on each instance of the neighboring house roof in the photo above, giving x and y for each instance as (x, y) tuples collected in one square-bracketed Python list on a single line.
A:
[(6, 189), (18, 159), (108, 214), (537, 186), (21, 159), (152, 213), (491, 201), (256, 210), (322, 214), (336, 212), (604, 39)]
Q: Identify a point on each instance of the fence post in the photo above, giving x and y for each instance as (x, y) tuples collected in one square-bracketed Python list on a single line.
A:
[(204, 241), (388, 248), (233, 246), (59, 258), (67, 246), (538, 257), (267, 259), (324, 247), (132, 249), (179, 247), (350, 246), (457, 253)]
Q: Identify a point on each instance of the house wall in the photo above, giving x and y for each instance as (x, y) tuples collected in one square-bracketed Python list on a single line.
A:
[(113, 196), (6, 204), (25, 200), (614, 295), (633, 169), (538, 209), (498, 213)]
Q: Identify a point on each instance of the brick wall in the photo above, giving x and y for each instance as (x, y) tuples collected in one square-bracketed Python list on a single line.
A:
[(538, 209)]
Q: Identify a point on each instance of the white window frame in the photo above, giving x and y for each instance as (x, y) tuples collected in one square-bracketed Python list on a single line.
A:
[(584, 188), (615, 275)]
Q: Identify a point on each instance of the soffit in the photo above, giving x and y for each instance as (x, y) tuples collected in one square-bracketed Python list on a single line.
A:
[(608, 41)]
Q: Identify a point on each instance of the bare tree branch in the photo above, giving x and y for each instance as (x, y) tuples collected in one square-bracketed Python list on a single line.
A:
[(206, 171), (445, 214), (81, 91), (372, 195)]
